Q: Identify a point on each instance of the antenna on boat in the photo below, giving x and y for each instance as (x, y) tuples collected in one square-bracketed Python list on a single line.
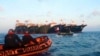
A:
[(73, 22), (46, 22), (61, 21), (26, 22), (17, 22), (83, 22)]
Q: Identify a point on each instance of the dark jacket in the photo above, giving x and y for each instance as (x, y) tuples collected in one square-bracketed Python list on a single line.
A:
[(27, 38), (12, 41)]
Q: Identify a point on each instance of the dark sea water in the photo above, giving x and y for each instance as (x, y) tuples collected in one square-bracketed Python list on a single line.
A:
[(80, 44)]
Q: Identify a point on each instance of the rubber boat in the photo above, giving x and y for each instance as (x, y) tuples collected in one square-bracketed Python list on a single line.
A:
[(43, 45)]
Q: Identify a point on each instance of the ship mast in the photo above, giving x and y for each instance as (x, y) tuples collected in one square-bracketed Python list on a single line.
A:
[(17, 23), (73, 22), (83, 22), (62, 22), (26, 22)]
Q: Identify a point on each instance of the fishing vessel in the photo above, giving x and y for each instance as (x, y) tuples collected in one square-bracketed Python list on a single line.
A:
[(52, 27)]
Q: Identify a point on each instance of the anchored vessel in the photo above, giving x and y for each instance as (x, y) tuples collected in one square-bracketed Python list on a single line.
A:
[(43, 45), (77, 28), (47, 28)]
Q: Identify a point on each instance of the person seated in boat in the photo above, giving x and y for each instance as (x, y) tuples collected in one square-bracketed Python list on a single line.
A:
[(28, 40), (11, 40)]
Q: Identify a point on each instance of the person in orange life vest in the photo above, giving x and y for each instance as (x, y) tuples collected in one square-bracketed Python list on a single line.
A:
[(11, 40), (28, 40)]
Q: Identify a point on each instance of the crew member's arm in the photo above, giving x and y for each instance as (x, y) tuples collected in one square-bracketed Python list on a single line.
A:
[(18, 39), (5, 40)]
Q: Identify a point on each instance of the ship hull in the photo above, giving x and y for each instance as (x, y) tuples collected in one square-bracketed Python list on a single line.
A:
[(77, 28)]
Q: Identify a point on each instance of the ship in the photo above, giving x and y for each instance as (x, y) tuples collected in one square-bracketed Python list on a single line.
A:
[(52, 27), (20, 28), (77, 28), (66, 29)]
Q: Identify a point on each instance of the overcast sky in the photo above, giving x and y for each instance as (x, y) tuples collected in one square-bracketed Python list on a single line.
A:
[(41, 10)]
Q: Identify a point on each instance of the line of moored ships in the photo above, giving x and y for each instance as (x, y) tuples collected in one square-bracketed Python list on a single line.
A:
[(47, 27)]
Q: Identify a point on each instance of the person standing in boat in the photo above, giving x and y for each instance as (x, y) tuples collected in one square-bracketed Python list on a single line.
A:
[(28, 40), (11, 40)]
